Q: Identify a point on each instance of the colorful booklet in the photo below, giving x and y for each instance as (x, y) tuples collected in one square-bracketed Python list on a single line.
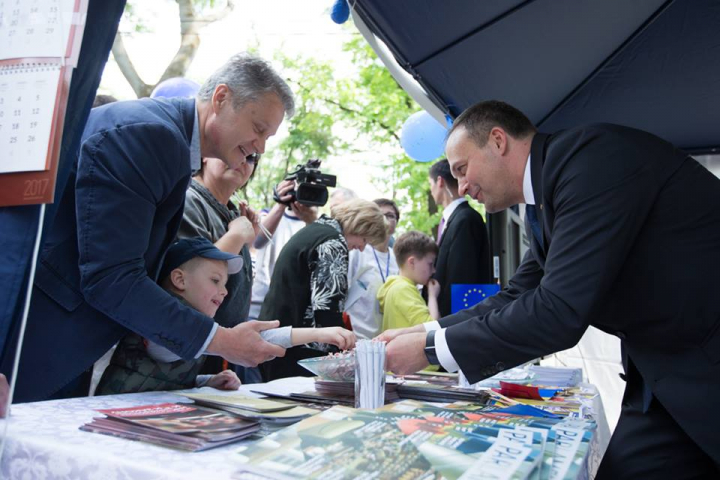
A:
[(183, 426)]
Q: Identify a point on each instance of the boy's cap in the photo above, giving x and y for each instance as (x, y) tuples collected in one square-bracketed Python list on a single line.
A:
[(189, 248)]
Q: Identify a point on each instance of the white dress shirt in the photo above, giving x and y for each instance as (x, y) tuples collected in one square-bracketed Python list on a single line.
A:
[(447, 361)]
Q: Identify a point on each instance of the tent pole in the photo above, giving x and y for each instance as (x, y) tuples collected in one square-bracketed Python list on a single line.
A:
[(23, 323)]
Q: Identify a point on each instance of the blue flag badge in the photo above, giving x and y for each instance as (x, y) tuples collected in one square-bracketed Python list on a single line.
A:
[(465, 295)]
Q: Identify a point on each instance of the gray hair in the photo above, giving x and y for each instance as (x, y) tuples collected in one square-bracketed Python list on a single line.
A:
[(248, 77), (345, 193)]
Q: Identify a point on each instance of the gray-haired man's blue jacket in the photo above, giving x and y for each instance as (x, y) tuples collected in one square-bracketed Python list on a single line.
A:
[(96, 276)]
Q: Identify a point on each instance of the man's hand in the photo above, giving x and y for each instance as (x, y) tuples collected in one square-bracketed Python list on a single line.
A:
[(225, 380), (306, 213), (4, 395), (283, 188), (406, 354), (393, 333), (243, 344)]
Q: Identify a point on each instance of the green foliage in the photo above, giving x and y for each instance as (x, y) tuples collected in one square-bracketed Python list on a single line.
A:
[(371, 104)]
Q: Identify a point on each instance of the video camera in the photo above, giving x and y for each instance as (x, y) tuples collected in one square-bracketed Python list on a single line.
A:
[(311, 185)]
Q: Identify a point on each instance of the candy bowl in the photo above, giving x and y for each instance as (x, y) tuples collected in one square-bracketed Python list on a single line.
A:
[(337, 367)]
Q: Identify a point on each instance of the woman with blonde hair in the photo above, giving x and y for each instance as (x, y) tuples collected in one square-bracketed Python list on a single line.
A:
[(309, 284)]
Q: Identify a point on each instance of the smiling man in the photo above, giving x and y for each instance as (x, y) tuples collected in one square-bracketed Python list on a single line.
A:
[(625, 236), (119, 212)]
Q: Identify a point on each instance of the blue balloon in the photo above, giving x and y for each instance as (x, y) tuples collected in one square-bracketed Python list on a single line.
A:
[(422, 137), (340, 11), (176, 87)]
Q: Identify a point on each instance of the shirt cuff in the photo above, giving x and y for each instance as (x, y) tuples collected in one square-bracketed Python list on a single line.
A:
[(207, 342), (202, 380), (429, 326), (443, 352)]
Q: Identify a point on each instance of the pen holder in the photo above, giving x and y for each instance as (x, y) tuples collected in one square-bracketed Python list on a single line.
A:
[(369, 374)]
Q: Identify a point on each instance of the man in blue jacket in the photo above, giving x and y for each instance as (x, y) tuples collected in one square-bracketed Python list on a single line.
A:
[(118, 213)]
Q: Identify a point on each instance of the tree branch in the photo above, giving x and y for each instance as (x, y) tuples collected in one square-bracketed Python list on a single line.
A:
[(127, 68), (215, 16), (356, 113)]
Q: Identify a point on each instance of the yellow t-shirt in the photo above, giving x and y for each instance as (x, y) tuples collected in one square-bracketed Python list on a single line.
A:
[(401, 304)]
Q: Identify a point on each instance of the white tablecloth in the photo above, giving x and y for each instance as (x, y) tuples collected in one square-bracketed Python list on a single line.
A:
[(44, 442)]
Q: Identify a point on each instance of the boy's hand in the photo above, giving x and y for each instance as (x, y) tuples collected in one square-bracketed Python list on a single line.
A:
[(340, 337), (393, 333), (433, 288), (225, 380)]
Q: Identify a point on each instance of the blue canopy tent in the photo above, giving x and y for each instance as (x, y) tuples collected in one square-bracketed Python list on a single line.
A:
[(649, 64)]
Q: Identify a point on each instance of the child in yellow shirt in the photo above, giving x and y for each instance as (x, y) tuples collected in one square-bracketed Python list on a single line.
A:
[(400, 301)]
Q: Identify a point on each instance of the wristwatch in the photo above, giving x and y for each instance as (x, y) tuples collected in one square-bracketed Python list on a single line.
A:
[(430, 353)]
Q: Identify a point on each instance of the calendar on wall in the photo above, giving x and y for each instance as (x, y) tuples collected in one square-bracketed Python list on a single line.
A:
[(39, 46)]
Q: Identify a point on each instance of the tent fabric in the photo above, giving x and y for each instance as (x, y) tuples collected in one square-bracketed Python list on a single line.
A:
[(649, 64), (19, 224)]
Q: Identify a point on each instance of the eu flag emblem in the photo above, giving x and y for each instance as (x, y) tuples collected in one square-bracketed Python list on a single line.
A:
[(465, 295)]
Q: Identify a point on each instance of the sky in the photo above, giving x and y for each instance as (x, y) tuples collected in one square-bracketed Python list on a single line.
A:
[(295, 27)]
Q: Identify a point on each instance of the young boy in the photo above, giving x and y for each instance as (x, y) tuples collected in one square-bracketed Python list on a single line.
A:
[(196, 272), (400, 301)]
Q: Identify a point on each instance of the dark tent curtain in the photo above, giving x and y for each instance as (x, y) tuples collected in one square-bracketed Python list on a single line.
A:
[(18, 225)]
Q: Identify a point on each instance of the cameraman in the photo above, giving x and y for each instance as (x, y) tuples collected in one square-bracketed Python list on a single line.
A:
[(281, 223), (309, 284)]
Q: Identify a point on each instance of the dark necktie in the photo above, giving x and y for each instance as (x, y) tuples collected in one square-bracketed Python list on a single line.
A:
[(534, 224)]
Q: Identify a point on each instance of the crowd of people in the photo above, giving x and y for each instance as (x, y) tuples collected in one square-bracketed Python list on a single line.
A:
[(162, 269), (151, 251)]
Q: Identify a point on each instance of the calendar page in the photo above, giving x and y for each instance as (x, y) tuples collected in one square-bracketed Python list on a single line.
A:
[(39, 47), (37, 28), (30, 187), (27, 101)]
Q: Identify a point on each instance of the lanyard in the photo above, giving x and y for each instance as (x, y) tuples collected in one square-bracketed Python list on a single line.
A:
[(387, 266)]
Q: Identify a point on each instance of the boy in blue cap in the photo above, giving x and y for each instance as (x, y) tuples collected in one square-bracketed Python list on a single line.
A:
[(196, 272)]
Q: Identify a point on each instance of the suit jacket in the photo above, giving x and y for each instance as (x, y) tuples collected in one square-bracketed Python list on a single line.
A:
[(96, 275), (631, 246), (464, 255)]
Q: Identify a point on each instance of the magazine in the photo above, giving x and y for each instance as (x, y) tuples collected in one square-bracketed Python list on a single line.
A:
[(183, 426), (260, 405), (339, 443)]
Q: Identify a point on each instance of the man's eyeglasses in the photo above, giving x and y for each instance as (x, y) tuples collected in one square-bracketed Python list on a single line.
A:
[(390, 216), (253, 159)]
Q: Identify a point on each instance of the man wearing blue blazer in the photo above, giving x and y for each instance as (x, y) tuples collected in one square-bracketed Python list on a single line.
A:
[(625, 236), (119, 212)]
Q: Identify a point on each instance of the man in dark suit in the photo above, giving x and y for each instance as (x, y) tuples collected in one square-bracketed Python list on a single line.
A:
[(625, 237), (119, 212), (464, 248)]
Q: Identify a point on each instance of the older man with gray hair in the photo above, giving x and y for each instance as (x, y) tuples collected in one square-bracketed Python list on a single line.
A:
[(119, 212)]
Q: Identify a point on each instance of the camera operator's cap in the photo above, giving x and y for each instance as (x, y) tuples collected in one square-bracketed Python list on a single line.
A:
[(189, 248)]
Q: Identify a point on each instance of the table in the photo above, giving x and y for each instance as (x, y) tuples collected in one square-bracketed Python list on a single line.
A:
[(44, 442)]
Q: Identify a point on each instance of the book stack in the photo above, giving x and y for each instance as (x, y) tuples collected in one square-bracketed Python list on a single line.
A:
[(271, 415), (176, 425), (441, 393)]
